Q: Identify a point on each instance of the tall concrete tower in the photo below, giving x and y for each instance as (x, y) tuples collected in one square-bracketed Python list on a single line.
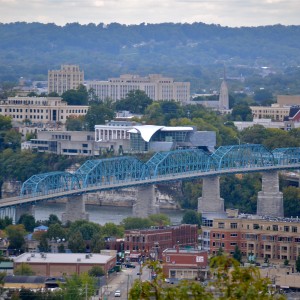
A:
[(224, 97)]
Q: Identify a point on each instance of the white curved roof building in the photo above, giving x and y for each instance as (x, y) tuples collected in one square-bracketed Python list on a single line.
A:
[(165, 138)]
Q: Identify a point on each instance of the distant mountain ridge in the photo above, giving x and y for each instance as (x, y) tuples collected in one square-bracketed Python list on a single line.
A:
[(30, 49)]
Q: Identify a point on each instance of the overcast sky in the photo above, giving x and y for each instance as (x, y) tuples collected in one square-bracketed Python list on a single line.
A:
[(233, 13)]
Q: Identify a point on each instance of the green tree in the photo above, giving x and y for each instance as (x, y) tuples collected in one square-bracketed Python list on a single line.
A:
[(242, 112), (76, 243), (298, 264), (13, 139), (5, 123), (136, 101), (87, 229), (136, 223), (75, 123), (53, 219), (111, 229), (44, 245), (61, 248), (96, 271), (160, 219), (97, 114), (230, 282), (291, 200), (192, 217), (237, 254), (56, 231), (235, 282), (78, 287), (97, 243), (23, 269), (76, 97), (262, 95), (5, 222), (28, 221), (16, 239), (2, 277), (53, 94)]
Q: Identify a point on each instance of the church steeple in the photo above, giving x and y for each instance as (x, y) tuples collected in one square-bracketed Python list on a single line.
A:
[(224, 97)]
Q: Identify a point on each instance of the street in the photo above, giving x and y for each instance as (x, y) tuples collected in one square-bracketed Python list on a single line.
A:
[(123, 281)]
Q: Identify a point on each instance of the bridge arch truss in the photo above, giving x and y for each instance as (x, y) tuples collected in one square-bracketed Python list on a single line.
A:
[(110, 170), (177, 162), (242, 156), (286, 156), (48, 183)]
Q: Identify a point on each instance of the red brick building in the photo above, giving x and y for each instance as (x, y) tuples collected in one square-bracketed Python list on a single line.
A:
[(155, 240), (184, 263), (275, 239)]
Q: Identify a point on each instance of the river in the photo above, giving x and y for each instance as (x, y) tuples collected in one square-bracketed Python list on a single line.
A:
[(100, 214)]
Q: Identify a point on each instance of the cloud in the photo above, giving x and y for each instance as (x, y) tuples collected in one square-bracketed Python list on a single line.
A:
[(223, 12)]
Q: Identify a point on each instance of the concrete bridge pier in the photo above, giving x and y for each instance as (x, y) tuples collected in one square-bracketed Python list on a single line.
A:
[(20, 210), (270, 199), (75, 209), (145, 204), (211, 203)]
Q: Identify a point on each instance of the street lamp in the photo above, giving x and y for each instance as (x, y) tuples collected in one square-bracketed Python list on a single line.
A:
[(239, 140)]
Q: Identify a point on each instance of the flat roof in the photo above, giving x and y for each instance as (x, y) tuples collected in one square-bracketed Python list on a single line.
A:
[(60, 258)]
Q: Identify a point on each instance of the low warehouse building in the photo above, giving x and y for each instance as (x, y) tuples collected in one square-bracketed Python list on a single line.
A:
[(61, 264)]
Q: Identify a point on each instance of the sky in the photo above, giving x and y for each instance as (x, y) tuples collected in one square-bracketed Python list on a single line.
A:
[(232, 13)]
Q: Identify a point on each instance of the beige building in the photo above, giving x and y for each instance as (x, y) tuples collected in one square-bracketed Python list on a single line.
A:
[(288, 100), (69, 77), (155, 86), (65, 143), (274, 112), (40, 110)]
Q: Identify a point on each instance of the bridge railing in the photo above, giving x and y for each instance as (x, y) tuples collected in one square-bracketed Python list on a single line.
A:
[(121, 170)]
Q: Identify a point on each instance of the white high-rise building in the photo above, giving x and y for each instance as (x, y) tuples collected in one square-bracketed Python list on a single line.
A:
[(155, 86), (69, 77)]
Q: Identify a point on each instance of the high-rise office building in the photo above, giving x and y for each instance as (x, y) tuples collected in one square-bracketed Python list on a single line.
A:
[(69, 77), (155, 86)]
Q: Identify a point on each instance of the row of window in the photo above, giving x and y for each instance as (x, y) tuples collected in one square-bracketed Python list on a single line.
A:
[(256, 226)]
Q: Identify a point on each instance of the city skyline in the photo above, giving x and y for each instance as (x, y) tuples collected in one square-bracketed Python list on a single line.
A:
[(232, 13)]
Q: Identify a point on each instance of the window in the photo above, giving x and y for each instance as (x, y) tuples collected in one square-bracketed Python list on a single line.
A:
[(275, 227), (233, 234), (294, 229), (255, 226), (221, 225), (168, 258), (233, 225), (286, 228)]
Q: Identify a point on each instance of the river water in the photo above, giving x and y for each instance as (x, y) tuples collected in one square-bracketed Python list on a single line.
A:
[(100, 214)]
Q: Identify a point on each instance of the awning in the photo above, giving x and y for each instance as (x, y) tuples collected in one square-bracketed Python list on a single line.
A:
[(134, 255)]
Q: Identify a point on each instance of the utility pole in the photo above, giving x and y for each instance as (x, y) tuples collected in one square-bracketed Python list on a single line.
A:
[(128, 275)]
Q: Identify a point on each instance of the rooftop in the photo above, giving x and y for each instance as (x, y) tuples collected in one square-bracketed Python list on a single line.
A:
[(78, 258)]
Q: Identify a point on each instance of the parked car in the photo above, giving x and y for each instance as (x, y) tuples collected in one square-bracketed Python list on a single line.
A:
[(129, 266), (117, 293)]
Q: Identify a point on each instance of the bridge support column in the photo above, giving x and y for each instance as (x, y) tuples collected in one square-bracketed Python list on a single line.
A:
[(146, 202), (211, 203), (20, 210), (75, 209), (270, 199)]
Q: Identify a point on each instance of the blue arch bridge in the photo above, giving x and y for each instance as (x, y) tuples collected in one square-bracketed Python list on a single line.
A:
[(163, 167)]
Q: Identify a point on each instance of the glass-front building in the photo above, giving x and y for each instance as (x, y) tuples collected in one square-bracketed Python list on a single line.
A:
[(162, 138)]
